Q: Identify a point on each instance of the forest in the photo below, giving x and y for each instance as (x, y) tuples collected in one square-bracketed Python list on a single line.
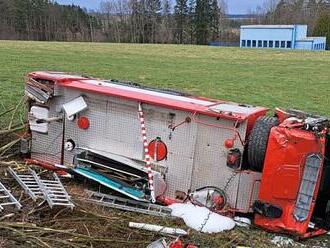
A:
[(151, 21)]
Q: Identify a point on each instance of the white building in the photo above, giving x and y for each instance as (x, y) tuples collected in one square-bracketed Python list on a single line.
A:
[(280, 36)]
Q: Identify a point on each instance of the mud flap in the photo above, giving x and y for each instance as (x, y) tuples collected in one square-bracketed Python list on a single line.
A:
[(267, 210)]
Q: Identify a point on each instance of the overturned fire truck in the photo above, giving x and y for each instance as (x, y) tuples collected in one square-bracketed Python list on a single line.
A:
[(164, 146)]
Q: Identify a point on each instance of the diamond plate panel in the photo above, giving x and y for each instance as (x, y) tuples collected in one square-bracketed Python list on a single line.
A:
[(210, 156), (248, 190), (196, 153), (47, 147)]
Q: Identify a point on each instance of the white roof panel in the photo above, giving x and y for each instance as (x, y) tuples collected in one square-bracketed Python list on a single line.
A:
[(268, 26)]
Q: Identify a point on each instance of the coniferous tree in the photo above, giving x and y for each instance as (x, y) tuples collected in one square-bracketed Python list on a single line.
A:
[(202, 21), (180, 14), (214, 24), (322, 27), (191, 27)]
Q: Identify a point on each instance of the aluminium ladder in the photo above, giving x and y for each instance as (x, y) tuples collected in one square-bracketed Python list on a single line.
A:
[(7, 199), (54, 192), (28, 182), (126, 204)]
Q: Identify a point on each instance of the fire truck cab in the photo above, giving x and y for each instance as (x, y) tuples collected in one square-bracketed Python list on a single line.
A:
[(294, 195)]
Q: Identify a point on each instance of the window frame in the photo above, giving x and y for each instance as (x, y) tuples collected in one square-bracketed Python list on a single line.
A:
[(265, 43), (271, 44), (289, 44), (277, 44)]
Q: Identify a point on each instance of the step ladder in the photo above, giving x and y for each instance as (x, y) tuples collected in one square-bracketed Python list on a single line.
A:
[(28, 182), (126, 204), (7, 199), (54, 192)]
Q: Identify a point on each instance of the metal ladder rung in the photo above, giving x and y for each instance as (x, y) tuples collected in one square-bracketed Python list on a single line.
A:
[(11, 200), (58, 196), (61, 200), (53, 187), (127, 205), (7, 203), (49, 181), (36, 187), (54, 192)]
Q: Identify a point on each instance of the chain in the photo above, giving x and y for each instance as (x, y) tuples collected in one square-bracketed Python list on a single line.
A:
[(230, 180), (206, 220)]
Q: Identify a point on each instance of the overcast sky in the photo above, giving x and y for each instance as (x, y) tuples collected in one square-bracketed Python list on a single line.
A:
[(234, 6)]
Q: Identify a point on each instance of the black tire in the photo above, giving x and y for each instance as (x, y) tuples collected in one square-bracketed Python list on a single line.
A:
[(258, 141)]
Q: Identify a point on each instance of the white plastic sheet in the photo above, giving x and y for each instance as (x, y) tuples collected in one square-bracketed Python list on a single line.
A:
[(201, 218)]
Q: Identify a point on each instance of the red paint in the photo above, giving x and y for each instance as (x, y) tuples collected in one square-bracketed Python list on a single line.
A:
[(282, 174), (176, 244), (167, 201), (157, 148), (81, 83), (281, 114), (46, 166), (83, 123)]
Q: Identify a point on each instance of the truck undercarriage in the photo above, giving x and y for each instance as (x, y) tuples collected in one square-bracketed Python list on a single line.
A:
[(161, 145)]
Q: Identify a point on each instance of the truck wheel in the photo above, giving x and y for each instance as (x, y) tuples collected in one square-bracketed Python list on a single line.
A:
[(258, 141)]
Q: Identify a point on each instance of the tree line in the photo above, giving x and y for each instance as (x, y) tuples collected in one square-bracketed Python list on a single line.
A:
[(151, 21), (44, 20), (156, 21)]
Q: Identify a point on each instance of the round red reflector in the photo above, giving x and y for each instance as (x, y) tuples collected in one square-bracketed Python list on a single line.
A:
[(157, 150), (83, 122), (229, 143)]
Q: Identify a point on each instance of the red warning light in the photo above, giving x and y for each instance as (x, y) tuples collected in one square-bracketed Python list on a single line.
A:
[(83, 123)]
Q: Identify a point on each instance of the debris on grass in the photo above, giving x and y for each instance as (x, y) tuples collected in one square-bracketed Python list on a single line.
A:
[(281, 241), (159, 229)]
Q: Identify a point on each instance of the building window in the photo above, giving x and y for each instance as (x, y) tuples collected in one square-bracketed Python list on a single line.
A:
[(249, 43), (277, 44), (282, 44), (271, 44), (288, 44), (265, 43), (259, 43), (254, 43), (243, 43)]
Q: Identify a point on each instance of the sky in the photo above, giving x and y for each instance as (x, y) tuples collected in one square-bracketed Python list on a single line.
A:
[(234, 6)]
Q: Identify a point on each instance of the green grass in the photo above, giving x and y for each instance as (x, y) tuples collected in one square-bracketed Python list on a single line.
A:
[(297, 79)]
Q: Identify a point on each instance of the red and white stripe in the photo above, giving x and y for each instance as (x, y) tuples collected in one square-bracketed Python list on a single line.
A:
[(146, 154)]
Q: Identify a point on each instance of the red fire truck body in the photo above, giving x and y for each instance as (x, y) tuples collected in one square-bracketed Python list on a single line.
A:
[(275, 166)]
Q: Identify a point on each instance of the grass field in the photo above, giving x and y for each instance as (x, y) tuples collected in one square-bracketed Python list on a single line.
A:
[(298, 79), (262, 77)]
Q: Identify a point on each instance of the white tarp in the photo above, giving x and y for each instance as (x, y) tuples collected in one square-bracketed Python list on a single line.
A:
[(202, 219)]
